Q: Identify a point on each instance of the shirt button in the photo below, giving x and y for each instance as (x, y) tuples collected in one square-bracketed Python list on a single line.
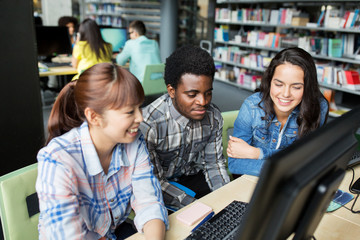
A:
[(294, 132), (116, 218), (274, 140), (262, 138), (276, 124), (112, 200)]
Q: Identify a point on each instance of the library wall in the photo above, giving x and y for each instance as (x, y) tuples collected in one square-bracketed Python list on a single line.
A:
[(247, 35)]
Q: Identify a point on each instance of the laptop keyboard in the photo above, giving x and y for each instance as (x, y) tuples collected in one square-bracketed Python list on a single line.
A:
[(56, 64), (223, 224)]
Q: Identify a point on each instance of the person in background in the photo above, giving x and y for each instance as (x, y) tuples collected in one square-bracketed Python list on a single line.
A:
[(140, 50), (95, 167), (183, 129), (288, 106), (71, 23), (90, 47)]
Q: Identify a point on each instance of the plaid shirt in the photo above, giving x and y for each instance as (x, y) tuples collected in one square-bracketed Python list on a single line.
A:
[(79, 201), (180, 146)]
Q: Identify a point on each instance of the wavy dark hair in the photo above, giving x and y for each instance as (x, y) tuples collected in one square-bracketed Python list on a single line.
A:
[(310, 112), (90, 32), (102, 86), (188, 59)]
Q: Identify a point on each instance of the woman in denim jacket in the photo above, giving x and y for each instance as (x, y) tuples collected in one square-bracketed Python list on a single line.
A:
[(288, 106)]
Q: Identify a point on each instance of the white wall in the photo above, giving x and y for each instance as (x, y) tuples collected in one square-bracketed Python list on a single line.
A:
[(52, 10)]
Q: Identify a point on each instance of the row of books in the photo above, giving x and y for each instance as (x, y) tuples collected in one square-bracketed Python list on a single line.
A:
[(246, 58), (108, 20), (239, 76), (345, 46), (331, 17), (285, 16), (337, 76)]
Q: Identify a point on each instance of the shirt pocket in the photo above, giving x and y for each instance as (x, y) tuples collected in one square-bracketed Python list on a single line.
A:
[(290, 135), (261, 137)]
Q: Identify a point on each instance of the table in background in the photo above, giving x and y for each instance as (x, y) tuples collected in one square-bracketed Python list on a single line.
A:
[(338, 225)]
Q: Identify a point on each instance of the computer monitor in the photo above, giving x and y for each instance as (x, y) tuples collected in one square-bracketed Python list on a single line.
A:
[(297, 184), (115, 35), (51, 41)]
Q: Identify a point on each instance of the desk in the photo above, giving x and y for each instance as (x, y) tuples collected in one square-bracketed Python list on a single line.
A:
[(338, 225), (58, 71)]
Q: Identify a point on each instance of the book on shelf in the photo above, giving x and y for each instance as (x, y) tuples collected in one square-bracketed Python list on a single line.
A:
[(350, 18), (321, 18), (356, 14), (335, 47), (344, 19), (352, 80)]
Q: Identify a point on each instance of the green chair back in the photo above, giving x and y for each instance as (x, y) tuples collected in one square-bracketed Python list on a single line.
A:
[(15, 187), (157, 85), (229, 119)]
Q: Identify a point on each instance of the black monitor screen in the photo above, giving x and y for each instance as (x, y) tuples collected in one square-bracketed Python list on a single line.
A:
[(52, 40), (116, 36), (297, 184)]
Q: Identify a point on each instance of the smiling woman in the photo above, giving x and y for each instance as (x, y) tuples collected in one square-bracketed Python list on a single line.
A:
[(288, 106), (95, 166)]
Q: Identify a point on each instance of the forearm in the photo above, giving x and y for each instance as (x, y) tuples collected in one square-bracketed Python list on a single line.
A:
[(154, 229)]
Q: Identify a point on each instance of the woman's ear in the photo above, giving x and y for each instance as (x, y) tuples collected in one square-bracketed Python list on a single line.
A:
[(171, 91), (92, 117)]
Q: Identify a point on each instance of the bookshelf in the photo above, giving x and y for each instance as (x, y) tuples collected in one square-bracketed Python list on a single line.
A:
[(248, 34), (120, 13)]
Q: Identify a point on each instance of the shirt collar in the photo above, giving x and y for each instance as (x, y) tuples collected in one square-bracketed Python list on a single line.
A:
[(91, 158)]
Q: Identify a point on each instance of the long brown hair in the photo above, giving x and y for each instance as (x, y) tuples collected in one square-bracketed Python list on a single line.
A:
[(102, 86)]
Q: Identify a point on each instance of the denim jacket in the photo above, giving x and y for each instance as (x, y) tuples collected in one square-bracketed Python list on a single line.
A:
[(251, 128)]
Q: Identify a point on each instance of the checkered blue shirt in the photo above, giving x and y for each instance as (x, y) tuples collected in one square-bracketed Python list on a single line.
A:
[(76, 196)]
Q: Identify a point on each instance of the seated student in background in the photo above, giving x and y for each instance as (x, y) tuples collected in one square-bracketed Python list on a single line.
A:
[(140, 50), (90, 47), (95, 167), (71, 23), (183, 129), (288, 106)]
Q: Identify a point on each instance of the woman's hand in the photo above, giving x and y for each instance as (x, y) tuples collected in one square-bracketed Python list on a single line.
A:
[(238, 148)]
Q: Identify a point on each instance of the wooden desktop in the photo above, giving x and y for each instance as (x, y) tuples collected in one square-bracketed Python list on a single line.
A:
[(338, 225), (58, 71)]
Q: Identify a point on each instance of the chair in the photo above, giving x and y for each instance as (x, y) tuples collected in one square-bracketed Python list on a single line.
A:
[(152, 85), (19, 205), (229, 119)]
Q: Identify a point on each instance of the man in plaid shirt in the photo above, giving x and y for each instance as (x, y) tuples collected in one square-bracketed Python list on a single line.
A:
[(183, 129)]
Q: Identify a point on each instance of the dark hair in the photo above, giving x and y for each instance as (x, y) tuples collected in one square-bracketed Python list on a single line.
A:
[(102, 86), (310, 112), (188, 59), (90, 32), (67, 19), (138, 26)]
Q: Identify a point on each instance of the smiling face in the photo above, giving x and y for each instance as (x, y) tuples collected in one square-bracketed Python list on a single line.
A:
[(287, 89), (192, 96), (120, 125)]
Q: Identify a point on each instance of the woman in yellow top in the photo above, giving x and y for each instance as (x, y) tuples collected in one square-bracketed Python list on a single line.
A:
[(90, 47)]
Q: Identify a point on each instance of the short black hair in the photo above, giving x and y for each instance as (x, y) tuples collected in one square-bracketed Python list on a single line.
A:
[(188, 59), (138, 26), (67, 19)]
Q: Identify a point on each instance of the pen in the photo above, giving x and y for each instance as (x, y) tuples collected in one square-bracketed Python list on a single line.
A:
[(204, 220)]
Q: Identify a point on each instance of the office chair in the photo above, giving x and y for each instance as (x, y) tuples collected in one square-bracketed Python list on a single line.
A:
[(19, 205), (154, 84), (229, 119)]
